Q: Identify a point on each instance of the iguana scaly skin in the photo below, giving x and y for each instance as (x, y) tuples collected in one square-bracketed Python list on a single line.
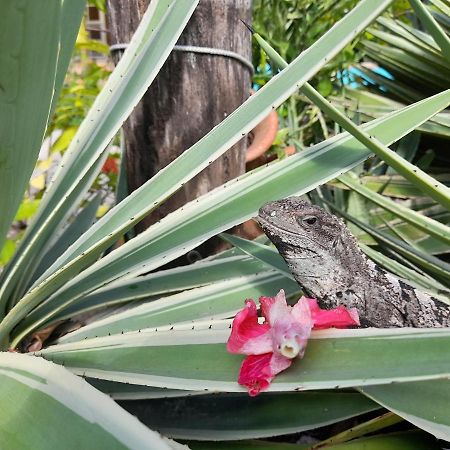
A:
[(326, 261)]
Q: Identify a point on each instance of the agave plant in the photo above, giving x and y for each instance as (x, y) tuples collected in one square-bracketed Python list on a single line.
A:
[(58, 395)]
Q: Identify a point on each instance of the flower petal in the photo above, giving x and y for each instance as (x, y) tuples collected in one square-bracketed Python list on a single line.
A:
[(274, 308), (249, 337), (301, 312), (340, 317), (257, 371)]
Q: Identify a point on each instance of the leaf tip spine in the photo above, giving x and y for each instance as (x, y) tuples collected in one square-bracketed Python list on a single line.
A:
[(248, 27)]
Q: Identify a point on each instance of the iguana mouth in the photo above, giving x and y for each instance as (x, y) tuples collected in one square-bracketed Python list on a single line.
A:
[(306, 257)]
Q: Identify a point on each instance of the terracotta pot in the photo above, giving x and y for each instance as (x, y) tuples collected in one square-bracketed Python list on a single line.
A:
[(264, 135)]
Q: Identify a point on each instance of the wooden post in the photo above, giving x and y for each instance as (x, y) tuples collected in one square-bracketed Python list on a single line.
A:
[(192, 93)]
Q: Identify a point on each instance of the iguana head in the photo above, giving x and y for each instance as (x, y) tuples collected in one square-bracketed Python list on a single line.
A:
[(296, 223), (320, 251)]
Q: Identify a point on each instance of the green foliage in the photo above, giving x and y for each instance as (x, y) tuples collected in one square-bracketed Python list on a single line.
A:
[(83, 82), (81, 88), (99, 4), (410, 55), (292, 26)]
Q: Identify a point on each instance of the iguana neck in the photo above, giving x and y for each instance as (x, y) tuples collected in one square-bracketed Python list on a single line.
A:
[(325, 274), (345, 277)]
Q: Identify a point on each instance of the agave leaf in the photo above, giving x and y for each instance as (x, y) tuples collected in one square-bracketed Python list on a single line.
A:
[(166, 282), (422, 54), (407, 148), (80, 416), (419, 34), (259, 251), (122, 182), (334, 358), (371, 426), (71, 16), (431, 245), (238, 416), (357, 208), (400, 61), (402, 91), (433, 227), (410, 34), (393, 186), (432, 26), (11, 272), (214, 301), (442, 19), (82, 221), (124, 391), (424, 404), (218, 210), (403, 440), (245, 445), (30, 38), (445, 8), (400, 234)]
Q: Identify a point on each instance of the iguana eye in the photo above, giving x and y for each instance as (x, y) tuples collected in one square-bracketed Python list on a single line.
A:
[(309, 220)]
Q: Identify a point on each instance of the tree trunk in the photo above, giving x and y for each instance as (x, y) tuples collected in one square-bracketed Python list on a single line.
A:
[(192, 93)]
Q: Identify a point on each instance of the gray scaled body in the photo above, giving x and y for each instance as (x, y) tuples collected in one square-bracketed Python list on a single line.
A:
[(326, 261)]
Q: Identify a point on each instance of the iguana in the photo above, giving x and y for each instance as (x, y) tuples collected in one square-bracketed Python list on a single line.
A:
[(326, 261)]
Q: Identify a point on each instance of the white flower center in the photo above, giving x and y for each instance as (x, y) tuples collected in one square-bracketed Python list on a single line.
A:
[(290, 349)]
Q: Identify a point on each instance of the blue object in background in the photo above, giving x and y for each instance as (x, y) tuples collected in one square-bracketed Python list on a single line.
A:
[(267, 71), (347, 77)]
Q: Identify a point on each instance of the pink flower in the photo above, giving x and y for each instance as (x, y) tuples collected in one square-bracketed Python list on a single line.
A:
[(271, 346)]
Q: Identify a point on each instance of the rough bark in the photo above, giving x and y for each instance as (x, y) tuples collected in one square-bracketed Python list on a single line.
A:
[(192, 93)]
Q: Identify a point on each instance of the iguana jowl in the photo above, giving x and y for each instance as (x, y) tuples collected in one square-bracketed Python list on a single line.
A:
[(326, 261)]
